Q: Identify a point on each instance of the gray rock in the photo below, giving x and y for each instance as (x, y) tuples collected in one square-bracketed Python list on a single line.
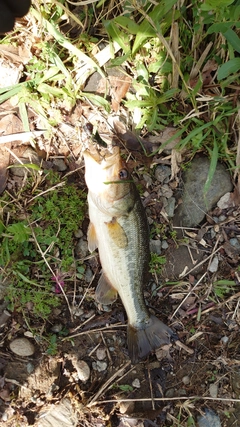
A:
[(82, 248), (195, 203), (170, 207), (22, 347), (99, 366), (155, 246), (162, 173), (88, 275), (213, 267), (235, 243), (60, 165), (164, 244), (213, 390), (209, 419)]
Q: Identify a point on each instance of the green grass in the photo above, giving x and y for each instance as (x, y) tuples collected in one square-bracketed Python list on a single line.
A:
[(38, 250)]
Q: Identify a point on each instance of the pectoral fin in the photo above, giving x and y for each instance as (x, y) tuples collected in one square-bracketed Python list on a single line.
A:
[(92, 238), (117, 233), (105, 293)]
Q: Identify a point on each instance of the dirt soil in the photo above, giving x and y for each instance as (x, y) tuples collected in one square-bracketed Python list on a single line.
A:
[(89, 378)]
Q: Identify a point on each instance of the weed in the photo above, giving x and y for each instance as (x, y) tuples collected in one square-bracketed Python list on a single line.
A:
[(156, 263), (51, 218)]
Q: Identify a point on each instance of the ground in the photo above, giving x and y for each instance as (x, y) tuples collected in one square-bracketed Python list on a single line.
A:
[(71, 365)]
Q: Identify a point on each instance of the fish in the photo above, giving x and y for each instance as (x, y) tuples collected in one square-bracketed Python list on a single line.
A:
[(119, 229)]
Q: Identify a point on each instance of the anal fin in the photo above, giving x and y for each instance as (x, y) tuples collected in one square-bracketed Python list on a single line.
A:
[(105, 293)]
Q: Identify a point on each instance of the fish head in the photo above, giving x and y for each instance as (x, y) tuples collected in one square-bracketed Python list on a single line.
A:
[(108, 180)]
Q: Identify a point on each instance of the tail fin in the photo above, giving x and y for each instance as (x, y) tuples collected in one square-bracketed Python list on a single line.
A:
[(142, 341)]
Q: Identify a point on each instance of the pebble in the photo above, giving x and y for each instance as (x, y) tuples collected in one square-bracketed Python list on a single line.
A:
[(224, 340), (77, 311), (30, 368), (88, 276), (126, 407), (209, 419), (225, 201), (170, 392), (213, 390), (78, 234), (83, 370), (57, 328), (186, 380), (165, 191), (147, 179), (164, 244), (22, 347), (170, 207), (235, 243), (213, 267), (60, 165), (155, 246), (162, 173), (101, 353), (99, 366), (136, 383), (82, 248)]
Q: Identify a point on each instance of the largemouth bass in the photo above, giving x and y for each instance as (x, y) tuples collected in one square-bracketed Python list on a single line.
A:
[(119, 229)]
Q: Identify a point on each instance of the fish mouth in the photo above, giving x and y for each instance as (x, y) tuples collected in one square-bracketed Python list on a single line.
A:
[(107, 157)]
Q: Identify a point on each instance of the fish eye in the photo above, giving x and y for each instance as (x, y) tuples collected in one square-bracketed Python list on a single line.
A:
[(123, 174)]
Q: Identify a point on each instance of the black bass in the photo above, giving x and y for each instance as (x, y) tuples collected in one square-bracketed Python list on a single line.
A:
[(119, 229)]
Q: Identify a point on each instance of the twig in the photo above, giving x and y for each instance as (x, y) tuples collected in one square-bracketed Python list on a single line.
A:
[(168, 399), (108, 382)]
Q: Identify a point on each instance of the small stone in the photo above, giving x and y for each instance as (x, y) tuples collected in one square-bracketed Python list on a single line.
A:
[(165, 191), (225, 201), (136, 383), (170, 392), (170, 207), (209, 419), (88, 276), (82, 248), (83, 370), (147, 179), (164, 244), (126, 407), (22, 347), (60, 165), (224, 340), (162, 173), (99, 366), (213, 390), (235, 243), (78, 234), (155, 246), (101, 353), (30, 368), (182, 392), (186, 380), (77, 311), (213, 267), (57, 328)]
